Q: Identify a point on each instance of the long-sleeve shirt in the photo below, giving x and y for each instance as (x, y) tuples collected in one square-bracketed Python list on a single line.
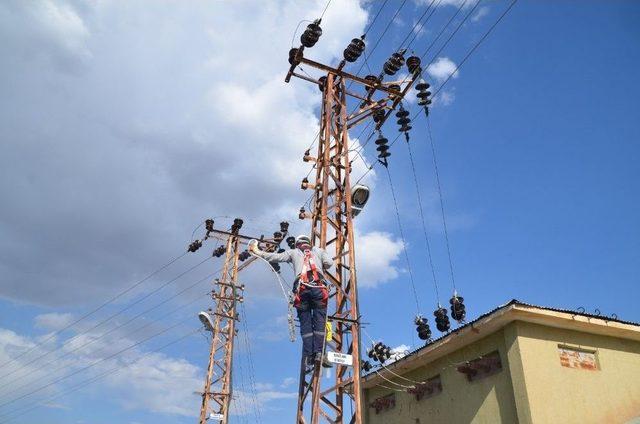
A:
[(296, 257)]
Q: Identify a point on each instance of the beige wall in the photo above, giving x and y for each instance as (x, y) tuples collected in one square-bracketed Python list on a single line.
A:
[(558, 394), (532, 388), (486, 401)]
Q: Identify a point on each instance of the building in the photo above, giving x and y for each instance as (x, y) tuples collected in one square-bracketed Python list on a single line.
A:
[(516, 364)]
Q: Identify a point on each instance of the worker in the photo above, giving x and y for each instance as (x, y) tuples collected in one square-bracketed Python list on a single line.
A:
[(311, 293)]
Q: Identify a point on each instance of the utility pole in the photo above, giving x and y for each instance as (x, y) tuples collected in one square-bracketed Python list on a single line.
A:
[(222, 318), (331, 219)]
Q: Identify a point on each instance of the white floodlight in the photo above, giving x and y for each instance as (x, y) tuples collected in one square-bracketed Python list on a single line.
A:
[(206, 320), (359, 198)]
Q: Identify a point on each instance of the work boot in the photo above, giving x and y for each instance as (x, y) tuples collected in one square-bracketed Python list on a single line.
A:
[(309, 363), (323, 359)]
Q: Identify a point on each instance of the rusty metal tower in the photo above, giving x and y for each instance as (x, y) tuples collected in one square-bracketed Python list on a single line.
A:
[(227, 293), (331, 215)]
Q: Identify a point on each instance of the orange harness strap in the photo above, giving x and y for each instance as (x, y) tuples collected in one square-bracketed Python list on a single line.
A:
[(308, 266)]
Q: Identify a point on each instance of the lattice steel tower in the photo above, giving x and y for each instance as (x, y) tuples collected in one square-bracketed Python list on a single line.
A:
[(227, 292), (331, 214)]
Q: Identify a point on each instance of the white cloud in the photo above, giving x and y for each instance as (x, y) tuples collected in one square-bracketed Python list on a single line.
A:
[(398, 352), (456, 3), (442, 68), (377, 253), (53, 321), (445, 98), (158, 383), (288, 382), (481, 13)]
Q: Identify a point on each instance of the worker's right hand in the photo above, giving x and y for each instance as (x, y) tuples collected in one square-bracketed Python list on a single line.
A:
[(253, 245)]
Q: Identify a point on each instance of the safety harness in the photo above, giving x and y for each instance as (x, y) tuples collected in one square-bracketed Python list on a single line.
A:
[(309, 267), (309, 278)]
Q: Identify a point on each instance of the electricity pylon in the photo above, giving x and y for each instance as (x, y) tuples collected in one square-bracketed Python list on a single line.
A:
[(218, 388), (332, 226)]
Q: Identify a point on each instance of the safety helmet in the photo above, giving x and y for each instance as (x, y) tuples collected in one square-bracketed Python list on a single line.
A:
[(303, 239)]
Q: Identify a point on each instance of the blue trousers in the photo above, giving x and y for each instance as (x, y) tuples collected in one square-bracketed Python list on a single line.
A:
[(312, 313)]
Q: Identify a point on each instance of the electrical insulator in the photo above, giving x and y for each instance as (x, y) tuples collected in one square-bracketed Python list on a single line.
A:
[(302, 213), (281, 250), (382, 352), (457, 307), (312, 34), (243, 256), (424, 332), (442, 320), (237, 224), (378, 115), (394, 87), (413, 63), (294, 56), (354, 50), (424, 95), (276, 266), (383, 149), (307, 156), (394, 63), (372, 79), (208, 225), (321, 82), (277, 236), (404, 121), (291, 242), (240, 299), (219, 251), (366, 365), (197, 244), (284, 227), (387, 352), (303, 184), (372, 354)]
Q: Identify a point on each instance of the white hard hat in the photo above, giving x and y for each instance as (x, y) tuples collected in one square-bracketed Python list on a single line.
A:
[(303, 238)]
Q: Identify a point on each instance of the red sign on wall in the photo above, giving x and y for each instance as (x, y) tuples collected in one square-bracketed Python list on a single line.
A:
[(574, 358)]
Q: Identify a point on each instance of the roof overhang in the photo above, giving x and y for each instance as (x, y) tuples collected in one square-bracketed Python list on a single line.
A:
[(498, 319)]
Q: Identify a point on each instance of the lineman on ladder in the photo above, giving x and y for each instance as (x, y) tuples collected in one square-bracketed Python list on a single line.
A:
[(311, 293)]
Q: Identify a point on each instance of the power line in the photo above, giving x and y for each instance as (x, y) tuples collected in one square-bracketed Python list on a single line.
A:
[(85, 383), (424, 225), (404, 242), (365, 57), (51, 371), (250, 356), (386, 28), (88, 314), (444, 220), (325, 9), (415, 30), (473, 49), (444, 28), (375, 18), (40, 388), (110, 317), (428, 48)]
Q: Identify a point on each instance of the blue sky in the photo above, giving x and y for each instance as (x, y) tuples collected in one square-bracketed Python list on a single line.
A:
[(125, 126)]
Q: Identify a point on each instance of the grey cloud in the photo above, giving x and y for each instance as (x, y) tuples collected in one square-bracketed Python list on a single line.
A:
[(121, 129)]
